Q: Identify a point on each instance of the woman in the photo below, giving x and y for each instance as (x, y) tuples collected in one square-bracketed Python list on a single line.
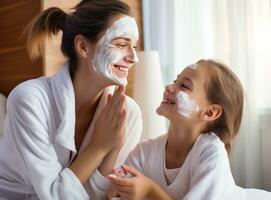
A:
[(65, 133)]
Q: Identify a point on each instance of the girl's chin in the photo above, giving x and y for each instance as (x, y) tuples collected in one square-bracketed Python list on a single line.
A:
[(169, 114), (160, 111)]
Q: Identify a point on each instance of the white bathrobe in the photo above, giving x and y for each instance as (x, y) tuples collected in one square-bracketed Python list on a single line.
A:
[(39, 136), (205, 174)]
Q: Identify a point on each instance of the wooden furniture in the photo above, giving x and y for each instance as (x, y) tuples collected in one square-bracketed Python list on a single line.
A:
[(15, 64)]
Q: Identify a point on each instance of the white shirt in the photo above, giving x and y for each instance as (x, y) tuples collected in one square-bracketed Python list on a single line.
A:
[(170, 174), (205, 174), (39, 136)]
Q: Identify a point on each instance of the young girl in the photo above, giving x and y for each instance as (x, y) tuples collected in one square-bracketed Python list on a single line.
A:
[(62, 133), (204, 106)]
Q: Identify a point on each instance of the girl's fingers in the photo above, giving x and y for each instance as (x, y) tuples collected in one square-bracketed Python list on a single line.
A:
[(111, 193), (122, 188), (123, 195), (119, 181), (131, 170)]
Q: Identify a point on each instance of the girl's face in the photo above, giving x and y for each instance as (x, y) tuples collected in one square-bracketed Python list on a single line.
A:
[(115, 51), (185, 98)]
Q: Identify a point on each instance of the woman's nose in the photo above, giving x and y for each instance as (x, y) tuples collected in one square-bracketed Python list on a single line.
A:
[(132, 56)]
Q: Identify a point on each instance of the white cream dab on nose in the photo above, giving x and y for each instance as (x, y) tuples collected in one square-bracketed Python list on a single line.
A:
[(193, 66)]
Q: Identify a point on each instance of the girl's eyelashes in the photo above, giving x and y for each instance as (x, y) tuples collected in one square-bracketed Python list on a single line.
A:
[(183, 86)]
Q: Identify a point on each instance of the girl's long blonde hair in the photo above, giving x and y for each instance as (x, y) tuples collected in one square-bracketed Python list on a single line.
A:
[(224, 88)]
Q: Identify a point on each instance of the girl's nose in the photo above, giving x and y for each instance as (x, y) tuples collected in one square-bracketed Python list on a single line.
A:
[(170, 88)]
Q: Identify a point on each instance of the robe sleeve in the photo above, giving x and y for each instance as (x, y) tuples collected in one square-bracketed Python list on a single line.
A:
[(27, 123), (209, 171), (98, 184)]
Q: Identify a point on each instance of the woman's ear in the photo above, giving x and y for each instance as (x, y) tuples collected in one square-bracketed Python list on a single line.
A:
[(212, 112), (81, 46)]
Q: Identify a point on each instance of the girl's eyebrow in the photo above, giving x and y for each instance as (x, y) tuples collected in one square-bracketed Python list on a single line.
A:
[(188, 81)]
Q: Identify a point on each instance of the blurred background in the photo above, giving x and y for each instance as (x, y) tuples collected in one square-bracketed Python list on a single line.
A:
[(173, 34)]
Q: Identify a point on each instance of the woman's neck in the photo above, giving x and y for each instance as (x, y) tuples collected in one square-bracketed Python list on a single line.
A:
[(88, 88)]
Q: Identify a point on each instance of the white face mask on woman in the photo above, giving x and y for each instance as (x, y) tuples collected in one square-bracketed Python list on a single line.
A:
[(107, 55)]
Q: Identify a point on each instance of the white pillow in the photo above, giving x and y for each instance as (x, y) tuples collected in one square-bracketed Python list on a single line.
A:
[(3, 110)]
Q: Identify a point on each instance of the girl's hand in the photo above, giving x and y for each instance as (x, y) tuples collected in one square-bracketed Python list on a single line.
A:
[(112, 193), (137, 187), (110, 127)]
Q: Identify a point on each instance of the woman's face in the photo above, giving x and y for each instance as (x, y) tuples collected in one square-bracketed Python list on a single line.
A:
[(115, 51), (186, 96)]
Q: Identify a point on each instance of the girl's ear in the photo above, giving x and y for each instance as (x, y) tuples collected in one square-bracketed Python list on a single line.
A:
[(81, 46), (212, 112)]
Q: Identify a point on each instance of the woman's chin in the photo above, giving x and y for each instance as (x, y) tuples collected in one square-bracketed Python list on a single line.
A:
[(117, 81)]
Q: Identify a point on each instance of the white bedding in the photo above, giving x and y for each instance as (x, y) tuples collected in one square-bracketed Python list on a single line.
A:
[(3, 101)]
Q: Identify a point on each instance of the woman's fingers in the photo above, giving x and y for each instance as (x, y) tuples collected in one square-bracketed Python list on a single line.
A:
[(118, 102), (112, 102), (113, 107), (108, 122), (119, 112), (117, 94), (122, 119)]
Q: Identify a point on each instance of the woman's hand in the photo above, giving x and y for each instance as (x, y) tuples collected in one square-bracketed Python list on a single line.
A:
[(110, 127), (137, 187)]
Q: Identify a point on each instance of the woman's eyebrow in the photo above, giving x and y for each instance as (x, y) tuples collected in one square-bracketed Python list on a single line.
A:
[(124, 38)]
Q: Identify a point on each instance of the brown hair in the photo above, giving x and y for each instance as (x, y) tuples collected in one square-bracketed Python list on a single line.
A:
[(225, 89), (89, 18)]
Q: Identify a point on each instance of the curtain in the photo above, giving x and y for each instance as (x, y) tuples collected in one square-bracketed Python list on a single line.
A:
[(235, 32)]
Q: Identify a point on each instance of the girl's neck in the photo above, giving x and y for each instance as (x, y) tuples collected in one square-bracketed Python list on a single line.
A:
[(180, 141)]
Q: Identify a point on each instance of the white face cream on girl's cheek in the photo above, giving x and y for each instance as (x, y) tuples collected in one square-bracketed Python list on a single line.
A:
[(186, 105), (107, 55)]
